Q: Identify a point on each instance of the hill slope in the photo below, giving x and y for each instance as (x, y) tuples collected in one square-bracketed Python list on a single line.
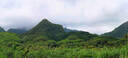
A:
[(119, 31)]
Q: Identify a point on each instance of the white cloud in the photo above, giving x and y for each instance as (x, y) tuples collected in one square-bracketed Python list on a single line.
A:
[(70, 13)]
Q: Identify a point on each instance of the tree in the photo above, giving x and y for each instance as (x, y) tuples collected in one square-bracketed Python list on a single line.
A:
[(126, 36)]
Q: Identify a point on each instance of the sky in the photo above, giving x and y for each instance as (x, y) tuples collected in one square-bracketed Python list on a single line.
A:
[(94, 16)]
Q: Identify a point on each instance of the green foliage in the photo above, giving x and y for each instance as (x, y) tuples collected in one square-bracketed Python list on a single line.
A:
[(102, 41), (71, 47), (8, 39)]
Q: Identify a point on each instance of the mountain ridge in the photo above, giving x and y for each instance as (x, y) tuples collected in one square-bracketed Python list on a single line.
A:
[(119, 31), (17, 30)]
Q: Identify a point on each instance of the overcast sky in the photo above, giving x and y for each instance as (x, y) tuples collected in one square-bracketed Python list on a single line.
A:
[(95, 16)]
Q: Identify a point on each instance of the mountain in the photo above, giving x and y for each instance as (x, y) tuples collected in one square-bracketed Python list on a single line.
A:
[(2, 30), (69, 30), (17, 31), (45, 28), (119, 31)]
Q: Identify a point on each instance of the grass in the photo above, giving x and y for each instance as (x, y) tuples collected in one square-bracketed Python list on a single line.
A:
[(66, 53)]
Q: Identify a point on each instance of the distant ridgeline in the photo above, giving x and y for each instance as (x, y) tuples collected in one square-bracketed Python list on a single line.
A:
[(119, 31), (47, 29), (17, 31)]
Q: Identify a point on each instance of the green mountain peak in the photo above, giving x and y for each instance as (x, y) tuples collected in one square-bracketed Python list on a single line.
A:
[(46, 28)]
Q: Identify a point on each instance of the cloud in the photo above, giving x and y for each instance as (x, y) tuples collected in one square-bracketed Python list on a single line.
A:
[(87, 15)]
